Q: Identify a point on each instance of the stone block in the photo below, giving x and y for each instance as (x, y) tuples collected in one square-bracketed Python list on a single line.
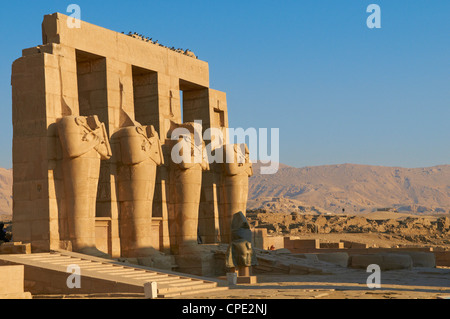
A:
[(312, 257), (247, 280), (442, 258), (363, 261), (299, 270), (421, 259), (275, 241), (353, 245), (22, 230), (151, 290), (200, 264), (288, 243), (394, 261), (15, 248), (12, 282), (385, 261), (332, 245), (22, 295), (282, 251), (307, 243), (340, 259)]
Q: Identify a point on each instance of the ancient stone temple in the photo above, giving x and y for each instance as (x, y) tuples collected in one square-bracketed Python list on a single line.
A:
[(93, 113)]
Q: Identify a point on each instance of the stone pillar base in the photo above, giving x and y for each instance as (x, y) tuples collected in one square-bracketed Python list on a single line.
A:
[(247, 280), (244, 275), (19, 295), (199, 263)]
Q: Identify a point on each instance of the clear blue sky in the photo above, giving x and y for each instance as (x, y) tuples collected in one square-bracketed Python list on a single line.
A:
[(339, 91)]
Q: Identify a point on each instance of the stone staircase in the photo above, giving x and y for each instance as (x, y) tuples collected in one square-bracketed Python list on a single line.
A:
[(47, 272)]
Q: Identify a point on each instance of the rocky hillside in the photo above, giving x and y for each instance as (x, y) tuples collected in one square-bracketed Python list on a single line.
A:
[(382, 229), (354, 188), (329, 189)]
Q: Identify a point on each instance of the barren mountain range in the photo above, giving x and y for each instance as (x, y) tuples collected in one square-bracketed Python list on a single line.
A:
[(354, 188), (329, 189)]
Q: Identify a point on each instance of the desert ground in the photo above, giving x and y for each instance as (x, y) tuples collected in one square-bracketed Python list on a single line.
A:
[(339, 282), (377, 229), (415, 284)]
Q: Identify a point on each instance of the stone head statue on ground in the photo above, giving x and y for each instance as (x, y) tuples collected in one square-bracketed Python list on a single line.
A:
[(240, 251)]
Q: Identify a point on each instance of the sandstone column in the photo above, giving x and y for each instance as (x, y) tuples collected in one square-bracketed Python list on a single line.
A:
[(237, 170), (85, 143), (209, 106), (186, 184), (140, 154)]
